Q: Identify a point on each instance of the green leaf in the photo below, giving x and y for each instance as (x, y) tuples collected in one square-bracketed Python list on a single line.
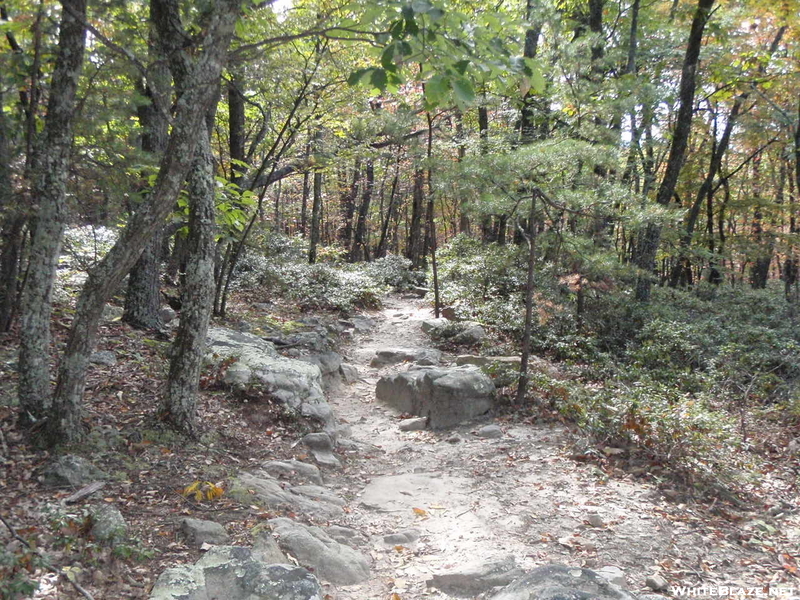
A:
[(387, 58), (357, 77), (461, 66), (435, 14), (462, 89), (421, 6), (378, 79)]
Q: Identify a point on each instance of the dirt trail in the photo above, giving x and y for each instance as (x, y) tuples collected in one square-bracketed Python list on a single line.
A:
[(520, 495)]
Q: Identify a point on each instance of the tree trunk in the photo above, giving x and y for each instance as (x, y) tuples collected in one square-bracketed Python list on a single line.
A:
[(415, 234), (390, 211), (359, 249), (651, 236), (526, 335), (50, 187), (197, 294), (12, 225), (143, 297), (201, 89)]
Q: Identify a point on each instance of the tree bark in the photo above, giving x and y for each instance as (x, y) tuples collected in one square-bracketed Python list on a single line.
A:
[(197, 296), (359, 250), (651, 236), (414, 248), (201, 89), (49, 189)]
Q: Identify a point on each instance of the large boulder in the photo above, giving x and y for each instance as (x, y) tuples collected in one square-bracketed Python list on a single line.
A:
[(559, 582), (445, 396), (331, 561), (235, 573), (261, 489), (256, 364)]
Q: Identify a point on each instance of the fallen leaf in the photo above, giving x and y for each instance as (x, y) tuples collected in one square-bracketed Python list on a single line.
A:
[(420, 512)]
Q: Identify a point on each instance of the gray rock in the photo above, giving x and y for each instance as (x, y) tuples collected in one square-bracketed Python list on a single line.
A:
[(417, 424), (656, 583), (559, 582), (429, 325), (317, 492), (167, 314), (108, 524), (614, 574), (296, 383), (362, 324), (407, 536), (71, 471), (393, 356), (234, 573), (105, 358), (471, 335), (491, 432), (293, 470), (262, 490), (445, 396), (321, 447), (349, 373), (346, 535), (477, 579), (396, 493), (334, 562), (454, 439), (199, 532), (329, 363), (266, 549), (112, 313), (595, 520)]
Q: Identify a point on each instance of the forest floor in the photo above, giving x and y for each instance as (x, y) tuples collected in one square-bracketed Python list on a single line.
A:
[(535, 494)]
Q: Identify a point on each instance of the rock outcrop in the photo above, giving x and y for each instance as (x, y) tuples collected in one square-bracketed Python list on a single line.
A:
[(444, 396)]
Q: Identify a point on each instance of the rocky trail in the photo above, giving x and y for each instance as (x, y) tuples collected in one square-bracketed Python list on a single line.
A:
[(380, 507)]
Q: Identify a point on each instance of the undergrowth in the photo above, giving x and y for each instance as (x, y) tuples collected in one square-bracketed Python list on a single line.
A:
[(690, 381)]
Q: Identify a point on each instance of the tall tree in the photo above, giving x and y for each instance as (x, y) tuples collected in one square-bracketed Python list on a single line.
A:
[(650, 237), (50, 190)]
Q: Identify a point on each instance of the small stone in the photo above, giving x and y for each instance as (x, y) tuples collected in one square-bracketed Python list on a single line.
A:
[(348, 372), (112, 313), (453, 439), (417, 424), (108, 524), (199, 532), (321, 447), (105, 358), (613, 574), (656, 583), (293, 469), (491, 432), (595, 520), (167, 314), (406, 536), (71, 471)]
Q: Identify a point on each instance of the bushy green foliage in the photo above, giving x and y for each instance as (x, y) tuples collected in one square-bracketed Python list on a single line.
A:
[(681, 378), (324, 286)]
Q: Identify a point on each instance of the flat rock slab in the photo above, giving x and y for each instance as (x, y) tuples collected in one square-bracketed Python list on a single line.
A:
[(393, 356), (331, 561), (234, 573), (476, 579), (559, 582), (293, 470), (445, 396), (261, 489), (415, 490)]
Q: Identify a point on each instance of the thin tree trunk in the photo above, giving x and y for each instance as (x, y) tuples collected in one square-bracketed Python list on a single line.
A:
[(526, 334), (50, 187), (197, 293), (651, 236), (360, 249)]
